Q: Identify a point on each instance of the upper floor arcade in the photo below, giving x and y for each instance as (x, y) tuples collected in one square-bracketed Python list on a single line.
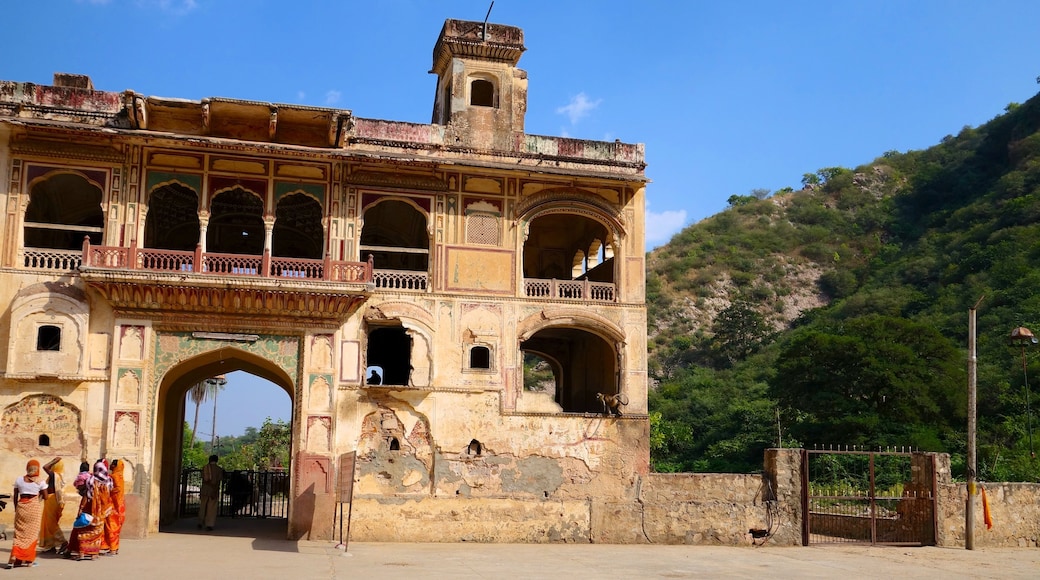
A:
[(133, 190), (370, 230)]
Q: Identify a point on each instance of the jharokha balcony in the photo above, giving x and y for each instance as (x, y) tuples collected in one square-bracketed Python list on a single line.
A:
[(190, 289)]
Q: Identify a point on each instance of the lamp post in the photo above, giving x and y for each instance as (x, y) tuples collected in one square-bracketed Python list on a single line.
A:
[(214, 385), (1023, 337), (969, 501)]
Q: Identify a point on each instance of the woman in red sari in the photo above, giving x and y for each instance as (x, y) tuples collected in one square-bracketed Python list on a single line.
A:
[(88, 531), (29, 493), (114, 522)]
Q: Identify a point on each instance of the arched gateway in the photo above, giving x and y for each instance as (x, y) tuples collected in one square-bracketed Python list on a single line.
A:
[(193, 360)]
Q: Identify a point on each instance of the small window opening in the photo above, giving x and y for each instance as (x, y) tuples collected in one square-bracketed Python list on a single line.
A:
[(390, 350), (480, 357), (48, 338), (474, 448), (45, 441), (482, 93), (395, 445)]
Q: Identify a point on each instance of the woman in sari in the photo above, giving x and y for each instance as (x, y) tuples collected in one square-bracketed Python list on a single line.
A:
[(114, 523), (51, 536), (88, 531), (29, 493)]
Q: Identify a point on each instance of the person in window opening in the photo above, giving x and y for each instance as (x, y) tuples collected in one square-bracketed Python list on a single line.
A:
[(374, 378), (212, 475)]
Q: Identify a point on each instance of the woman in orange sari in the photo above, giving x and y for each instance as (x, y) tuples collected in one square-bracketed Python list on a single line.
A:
[(114, 522), (29, 493), (51, 536), (88, 531)]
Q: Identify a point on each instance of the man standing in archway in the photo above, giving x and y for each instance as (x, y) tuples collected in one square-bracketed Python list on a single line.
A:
[(212, 475)]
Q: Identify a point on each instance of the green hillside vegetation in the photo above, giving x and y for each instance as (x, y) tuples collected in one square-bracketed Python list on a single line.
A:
[(838, 314)]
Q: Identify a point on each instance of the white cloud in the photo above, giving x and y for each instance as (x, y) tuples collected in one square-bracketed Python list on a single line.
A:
[(661, 226), (332, 97), (177, 7), (579, 107)]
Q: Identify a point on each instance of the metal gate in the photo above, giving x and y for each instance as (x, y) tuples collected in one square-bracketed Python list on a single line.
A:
[(244, 493), (868, 497)]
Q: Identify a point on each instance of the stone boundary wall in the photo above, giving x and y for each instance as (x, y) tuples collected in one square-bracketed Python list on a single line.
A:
[(710, 508), (683, 508), (1016, 515)]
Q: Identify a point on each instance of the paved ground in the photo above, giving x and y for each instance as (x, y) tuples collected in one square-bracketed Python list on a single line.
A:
[(257, 549)]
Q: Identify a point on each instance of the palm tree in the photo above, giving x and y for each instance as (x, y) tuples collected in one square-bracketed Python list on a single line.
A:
[(199, 393)]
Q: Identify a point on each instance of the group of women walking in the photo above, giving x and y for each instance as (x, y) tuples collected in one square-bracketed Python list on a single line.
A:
[(40, 502)]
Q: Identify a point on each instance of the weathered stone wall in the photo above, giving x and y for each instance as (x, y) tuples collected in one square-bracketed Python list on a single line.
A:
[(1015, 508), (722, 508)]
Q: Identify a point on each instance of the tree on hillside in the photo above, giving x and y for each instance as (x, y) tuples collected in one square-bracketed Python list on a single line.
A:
[(873, 380), (739, 330)]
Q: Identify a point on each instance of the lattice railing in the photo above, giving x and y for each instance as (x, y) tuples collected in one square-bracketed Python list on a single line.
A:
[(200, 262), (232, 264), (166, 260), (400, 280), (297, 268), (581, 290), (49, 259)]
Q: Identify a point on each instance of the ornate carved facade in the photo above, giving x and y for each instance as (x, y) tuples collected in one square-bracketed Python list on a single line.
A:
[(149, 244)]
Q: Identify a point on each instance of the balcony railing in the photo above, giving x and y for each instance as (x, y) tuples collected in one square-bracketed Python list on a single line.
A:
[(50, 259), (580, 290), (265, 266), (400, 280)]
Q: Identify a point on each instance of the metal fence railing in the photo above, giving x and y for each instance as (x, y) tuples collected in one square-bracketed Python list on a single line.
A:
[(243, 493)]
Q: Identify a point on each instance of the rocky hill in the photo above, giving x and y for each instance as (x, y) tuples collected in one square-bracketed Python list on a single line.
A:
[(768, 317)]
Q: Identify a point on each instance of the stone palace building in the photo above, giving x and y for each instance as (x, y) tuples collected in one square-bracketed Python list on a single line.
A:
[(151, 243)]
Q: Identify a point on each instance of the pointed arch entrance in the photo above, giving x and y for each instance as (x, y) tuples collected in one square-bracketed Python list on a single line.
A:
[(170, 407)]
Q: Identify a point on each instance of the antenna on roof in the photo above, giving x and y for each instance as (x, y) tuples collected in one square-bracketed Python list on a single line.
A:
[(483, 33)]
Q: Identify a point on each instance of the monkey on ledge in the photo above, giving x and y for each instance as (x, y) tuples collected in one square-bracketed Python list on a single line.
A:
[(612, 403)]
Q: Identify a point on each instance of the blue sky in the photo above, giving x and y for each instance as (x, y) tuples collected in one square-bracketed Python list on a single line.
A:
[(728, 96)]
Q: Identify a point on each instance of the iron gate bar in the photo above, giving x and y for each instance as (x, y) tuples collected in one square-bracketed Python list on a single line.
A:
[(243, 493), (850, 517)]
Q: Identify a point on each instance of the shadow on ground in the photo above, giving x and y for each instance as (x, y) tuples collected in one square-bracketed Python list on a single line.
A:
[(269, 534)]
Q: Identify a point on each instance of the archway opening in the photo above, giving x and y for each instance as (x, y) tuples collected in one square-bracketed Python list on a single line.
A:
[(564, 246), (576, 362), (243, 386)]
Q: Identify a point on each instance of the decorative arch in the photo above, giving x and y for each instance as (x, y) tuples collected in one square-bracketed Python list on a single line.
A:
[(213, 195), (171, 220), (299, 228), (572, 318), (585, 350), (398, 240), (571, 200), (404, 199), (184, 369), (62, 207), (236, 222), (94, 178)]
